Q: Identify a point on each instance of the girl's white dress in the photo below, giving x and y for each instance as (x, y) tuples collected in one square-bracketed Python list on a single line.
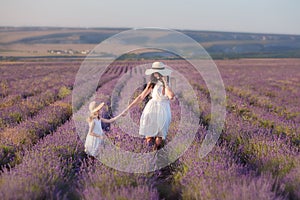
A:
[(92, 143), (156, 116)]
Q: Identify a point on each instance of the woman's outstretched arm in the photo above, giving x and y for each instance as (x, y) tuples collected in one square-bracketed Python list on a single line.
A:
[(140, 98)]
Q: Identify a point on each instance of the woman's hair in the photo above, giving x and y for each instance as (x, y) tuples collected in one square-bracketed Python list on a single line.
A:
[(92, 117), (154, 80)]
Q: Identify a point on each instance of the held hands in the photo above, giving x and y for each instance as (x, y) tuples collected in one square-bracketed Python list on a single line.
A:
[(116, 117), (124, 113)]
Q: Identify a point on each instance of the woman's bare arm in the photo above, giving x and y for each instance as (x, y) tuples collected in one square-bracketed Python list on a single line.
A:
[(167, 90), (140, 98)]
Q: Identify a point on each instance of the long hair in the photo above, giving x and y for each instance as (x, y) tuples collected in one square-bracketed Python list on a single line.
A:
[(154, 80)]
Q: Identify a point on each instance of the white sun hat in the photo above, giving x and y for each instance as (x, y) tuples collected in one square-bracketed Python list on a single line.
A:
[(93, 108), (160, 68)]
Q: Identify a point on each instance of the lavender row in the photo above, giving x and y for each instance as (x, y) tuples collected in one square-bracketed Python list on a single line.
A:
[(273, 79), (263, 119), (13, 71), (41, 79), (263, 151), (249, 96), (217, 187), (23, 90), (98, 181), (19, 138), (277, 124), (48, 170), (279, 163), (221, 176), (264, 102), (21, 111)]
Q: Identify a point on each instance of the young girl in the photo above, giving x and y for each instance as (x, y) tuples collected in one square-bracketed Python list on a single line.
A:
[(95, 135), (156, 116)]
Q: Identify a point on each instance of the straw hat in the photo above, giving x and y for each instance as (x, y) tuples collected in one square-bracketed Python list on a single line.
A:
[(93, 108), (160, 68)]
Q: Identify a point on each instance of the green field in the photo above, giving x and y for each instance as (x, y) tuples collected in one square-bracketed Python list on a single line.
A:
[(44, 42)]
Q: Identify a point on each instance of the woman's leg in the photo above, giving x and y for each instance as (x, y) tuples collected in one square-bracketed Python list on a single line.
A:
[(150, 141), (158, 143), (92, 158)]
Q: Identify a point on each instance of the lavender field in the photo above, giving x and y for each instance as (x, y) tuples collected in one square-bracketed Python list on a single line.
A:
[(256, 157)]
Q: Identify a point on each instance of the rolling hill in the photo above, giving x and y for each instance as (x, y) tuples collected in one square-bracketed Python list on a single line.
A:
[(17, 42)]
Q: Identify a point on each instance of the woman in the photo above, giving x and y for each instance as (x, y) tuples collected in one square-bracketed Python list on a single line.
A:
[(156, 116), (95, 135)]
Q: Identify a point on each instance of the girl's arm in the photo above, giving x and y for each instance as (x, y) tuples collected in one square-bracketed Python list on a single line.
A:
[(110, 120)]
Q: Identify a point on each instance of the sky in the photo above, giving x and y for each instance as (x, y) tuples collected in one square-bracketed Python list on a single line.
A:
[(255, 16)]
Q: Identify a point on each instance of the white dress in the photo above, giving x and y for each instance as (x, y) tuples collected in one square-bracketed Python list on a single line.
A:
[(156, 116), (92, 143)]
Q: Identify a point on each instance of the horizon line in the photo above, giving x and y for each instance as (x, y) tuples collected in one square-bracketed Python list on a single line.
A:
[(128, 28)]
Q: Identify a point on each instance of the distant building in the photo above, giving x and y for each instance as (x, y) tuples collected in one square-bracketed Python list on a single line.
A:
[(68, 52), (85, 52)]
